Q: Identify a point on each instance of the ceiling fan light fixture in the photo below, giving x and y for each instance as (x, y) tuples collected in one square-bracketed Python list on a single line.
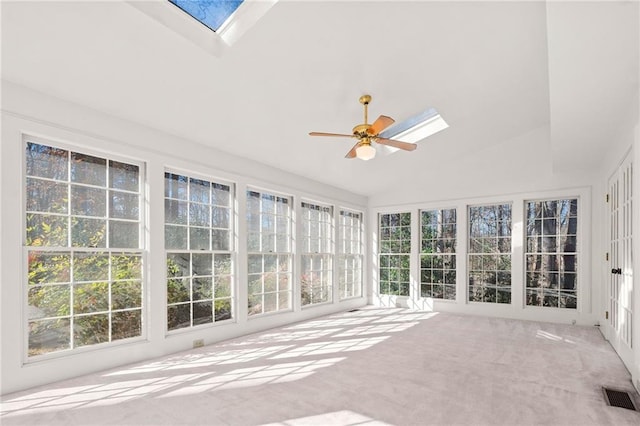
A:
[(365, 152)]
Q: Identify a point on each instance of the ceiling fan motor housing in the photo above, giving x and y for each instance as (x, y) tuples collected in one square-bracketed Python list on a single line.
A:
[(362, 130)]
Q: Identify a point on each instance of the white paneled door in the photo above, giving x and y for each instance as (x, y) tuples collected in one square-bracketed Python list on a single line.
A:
[(619, 315)]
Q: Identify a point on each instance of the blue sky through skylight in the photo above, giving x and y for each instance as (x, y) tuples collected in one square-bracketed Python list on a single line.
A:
[(212, 13)]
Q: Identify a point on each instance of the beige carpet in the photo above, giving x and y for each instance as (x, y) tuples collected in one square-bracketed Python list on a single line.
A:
[(372, 366)]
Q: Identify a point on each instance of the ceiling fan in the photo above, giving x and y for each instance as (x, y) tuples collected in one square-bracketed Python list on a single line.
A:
[(368, 133)]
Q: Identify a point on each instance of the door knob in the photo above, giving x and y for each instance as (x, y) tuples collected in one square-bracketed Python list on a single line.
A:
[(616, 271)]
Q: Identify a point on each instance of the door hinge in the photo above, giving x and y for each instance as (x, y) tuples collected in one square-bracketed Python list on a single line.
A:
[(607, 197), (606, 315), (606, 256)]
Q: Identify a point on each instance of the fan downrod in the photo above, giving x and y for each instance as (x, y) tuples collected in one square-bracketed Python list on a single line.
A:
[(362, 130)]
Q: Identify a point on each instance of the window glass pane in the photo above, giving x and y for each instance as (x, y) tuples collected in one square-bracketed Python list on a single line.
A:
[(126, 324), (49, 336), (123, 234), (88, 169), (176, 212), (47, 162), (199, 238), (175, 186), (49, 267), (179, 316), (199, 214), (88, 201), (199, 191), (222, 310), (88, 232), (48, 301), (221, 195), (178, 264), (202, 264), (91, 329), (178, 290), (124, 176), (47, 230), (47, 196), (202, 312), (123, 205), (126, 266), (126, 294), (220, 217), (202, 288), (91, 297), (175, 237), (79, 286)]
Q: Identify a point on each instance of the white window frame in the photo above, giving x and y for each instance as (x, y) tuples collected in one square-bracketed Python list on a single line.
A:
[(409, 254), (455, 253), (346, 257), (289, 254), (324, 252), (140, 251), (496, 269), (231, 252), (576, 253)]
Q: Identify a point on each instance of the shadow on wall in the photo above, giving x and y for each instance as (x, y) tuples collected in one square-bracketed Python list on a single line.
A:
[(284, 355)]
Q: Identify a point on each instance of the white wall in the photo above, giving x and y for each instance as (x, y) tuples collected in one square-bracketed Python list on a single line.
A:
[(31, 113)]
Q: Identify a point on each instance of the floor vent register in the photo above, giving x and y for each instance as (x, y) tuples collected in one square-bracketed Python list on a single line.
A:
[(616, 398)]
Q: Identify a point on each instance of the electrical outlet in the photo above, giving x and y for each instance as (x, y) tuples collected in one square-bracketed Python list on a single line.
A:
[(198, 343), (573, 322)]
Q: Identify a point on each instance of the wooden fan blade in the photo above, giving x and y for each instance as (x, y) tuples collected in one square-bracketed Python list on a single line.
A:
[(380, 124), (337, 135), (352, 153), (397, 144)]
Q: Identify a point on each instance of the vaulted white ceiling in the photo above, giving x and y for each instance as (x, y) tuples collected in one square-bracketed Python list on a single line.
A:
[(494, 70)]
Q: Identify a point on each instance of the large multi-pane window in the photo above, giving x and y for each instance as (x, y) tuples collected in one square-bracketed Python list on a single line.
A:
[(268, 252), (316, 274), (551, 253), (83, 247), (437, 254), (198, 242), (490, 253), (394, 253), (350, 254)]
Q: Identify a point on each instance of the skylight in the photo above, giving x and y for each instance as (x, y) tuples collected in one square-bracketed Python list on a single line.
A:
[(212, 13), (213, 25), (418, 127)]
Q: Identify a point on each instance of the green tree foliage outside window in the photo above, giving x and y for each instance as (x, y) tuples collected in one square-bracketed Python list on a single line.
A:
[(84, 263), (395, 253)]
